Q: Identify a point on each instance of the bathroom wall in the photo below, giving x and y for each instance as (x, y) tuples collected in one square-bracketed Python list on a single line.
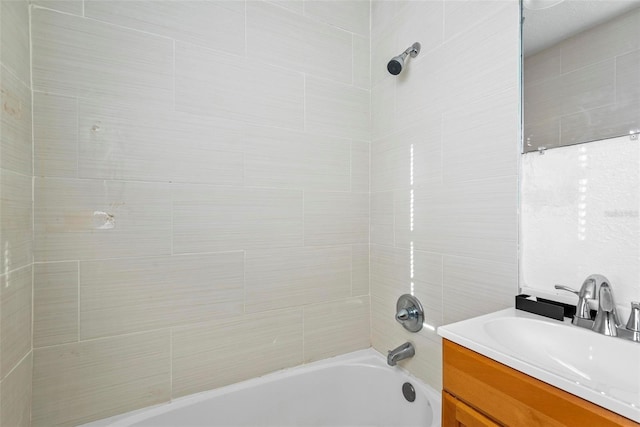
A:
[(584, 88), (444, 163), (201, 196), (586, 198), (16, 213)]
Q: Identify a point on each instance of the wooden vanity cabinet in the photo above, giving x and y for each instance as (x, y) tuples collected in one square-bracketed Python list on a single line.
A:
[(480, 392)]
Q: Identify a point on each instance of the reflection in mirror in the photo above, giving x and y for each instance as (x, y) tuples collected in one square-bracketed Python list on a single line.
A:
[(580, 204), (581, 71)]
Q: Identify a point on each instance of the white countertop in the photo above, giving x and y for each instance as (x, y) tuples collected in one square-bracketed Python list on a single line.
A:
[(603, 370)]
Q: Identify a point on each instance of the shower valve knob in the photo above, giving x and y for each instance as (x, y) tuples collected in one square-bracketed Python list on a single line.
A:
[(409, 312)]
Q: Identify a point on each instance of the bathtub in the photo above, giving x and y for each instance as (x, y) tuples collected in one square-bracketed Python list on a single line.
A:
[(355, 389)]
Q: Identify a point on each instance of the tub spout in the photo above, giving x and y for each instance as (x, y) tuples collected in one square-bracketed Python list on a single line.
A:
[(402, 352)]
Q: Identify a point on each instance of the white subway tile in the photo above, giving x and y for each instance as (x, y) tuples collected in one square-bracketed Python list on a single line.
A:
[(16, 224), (382, 218), (493, 121), (135, 141), (14, 38), (460, 16), (281, 158), (359, 269), (336, 218), (227, 86), (75, 56), (382, 14), (473, 219), (16, 124), (360, 166), (296, 6), (90, 219), (139, 294), (55, 303), (408, 158), (219, 353), (589, 87), (210, 219), (419, 21), (81, 382), (350, 15), (336, 109), (337, 327), (15, 318), (74, 7), (383, 108), (600, 123), (543, 65), (390, 272), (213, 24), (281, 37), (361, 62), (605, 41), (628, 79), (15, 389), (291, 277), (55, 135), (473, 287)]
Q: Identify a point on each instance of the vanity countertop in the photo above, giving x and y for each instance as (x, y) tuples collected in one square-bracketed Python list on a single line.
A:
[(601, 369)]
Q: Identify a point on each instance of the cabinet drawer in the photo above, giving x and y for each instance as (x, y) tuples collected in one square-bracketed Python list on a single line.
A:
[(455, 413), (516, 399)]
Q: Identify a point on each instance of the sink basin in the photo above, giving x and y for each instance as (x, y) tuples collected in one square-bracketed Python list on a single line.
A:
[(600, 369)]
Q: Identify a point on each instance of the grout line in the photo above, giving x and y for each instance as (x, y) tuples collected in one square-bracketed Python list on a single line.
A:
[(78, 296), (30, 352), (108, 337), (244, 281), (303, 336), (171, 364), (173, 72), (37, 6), (77, 135)]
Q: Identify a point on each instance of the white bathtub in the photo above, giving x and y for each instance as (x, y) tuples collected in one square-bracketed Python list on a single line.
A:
[(356, 389)]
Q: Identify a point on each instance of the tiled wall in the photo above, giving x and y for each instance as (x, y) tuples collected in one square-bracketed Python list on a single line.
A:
[(444, 163), (201, 196), (585, 88), (16, 215)]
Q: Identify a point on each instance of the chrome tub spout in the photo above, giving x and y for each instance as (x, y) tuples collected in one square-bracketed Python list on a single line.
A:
[(402, 352)]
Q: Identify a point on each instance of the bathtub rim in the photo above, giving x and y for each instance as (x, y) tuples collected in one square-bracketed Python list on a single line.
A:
[(368, 357)]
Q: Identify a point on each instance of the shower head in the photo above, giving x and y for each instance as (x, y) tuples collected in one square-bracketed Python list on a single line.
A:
[(397, 62)]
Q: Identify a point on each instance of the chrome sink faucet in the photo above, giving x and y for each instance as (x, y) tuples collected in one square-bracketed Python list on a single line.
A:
[(586, 293), (606, 321)]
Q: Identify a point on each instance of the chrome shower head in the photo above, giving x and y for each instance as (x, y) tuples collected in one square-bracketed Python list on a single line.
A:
[(396, 64)]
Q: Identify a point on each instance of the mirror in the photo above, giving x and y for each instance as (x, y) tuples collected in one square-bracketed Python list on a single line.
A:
[(580, 203), (581, 71)]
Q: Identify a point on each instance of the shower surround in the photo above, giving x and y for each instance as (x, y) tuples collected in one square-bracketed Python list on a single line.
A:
[(202, 187), (201, 196)]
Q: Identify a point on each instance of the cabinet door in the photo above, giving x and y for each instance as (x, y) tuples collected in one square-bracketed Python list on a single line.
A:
[(458, 414)]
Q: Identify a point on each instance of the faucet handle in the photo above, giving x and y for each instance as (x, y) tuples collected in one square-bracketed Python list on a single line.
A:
[(606, 321), (634, 318), (566, 288), (587, 292)]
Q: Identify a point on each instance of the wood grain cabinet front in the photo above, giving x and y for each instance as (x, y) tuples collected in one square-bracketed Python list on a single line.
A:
[(479, 391), (456, 413)]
